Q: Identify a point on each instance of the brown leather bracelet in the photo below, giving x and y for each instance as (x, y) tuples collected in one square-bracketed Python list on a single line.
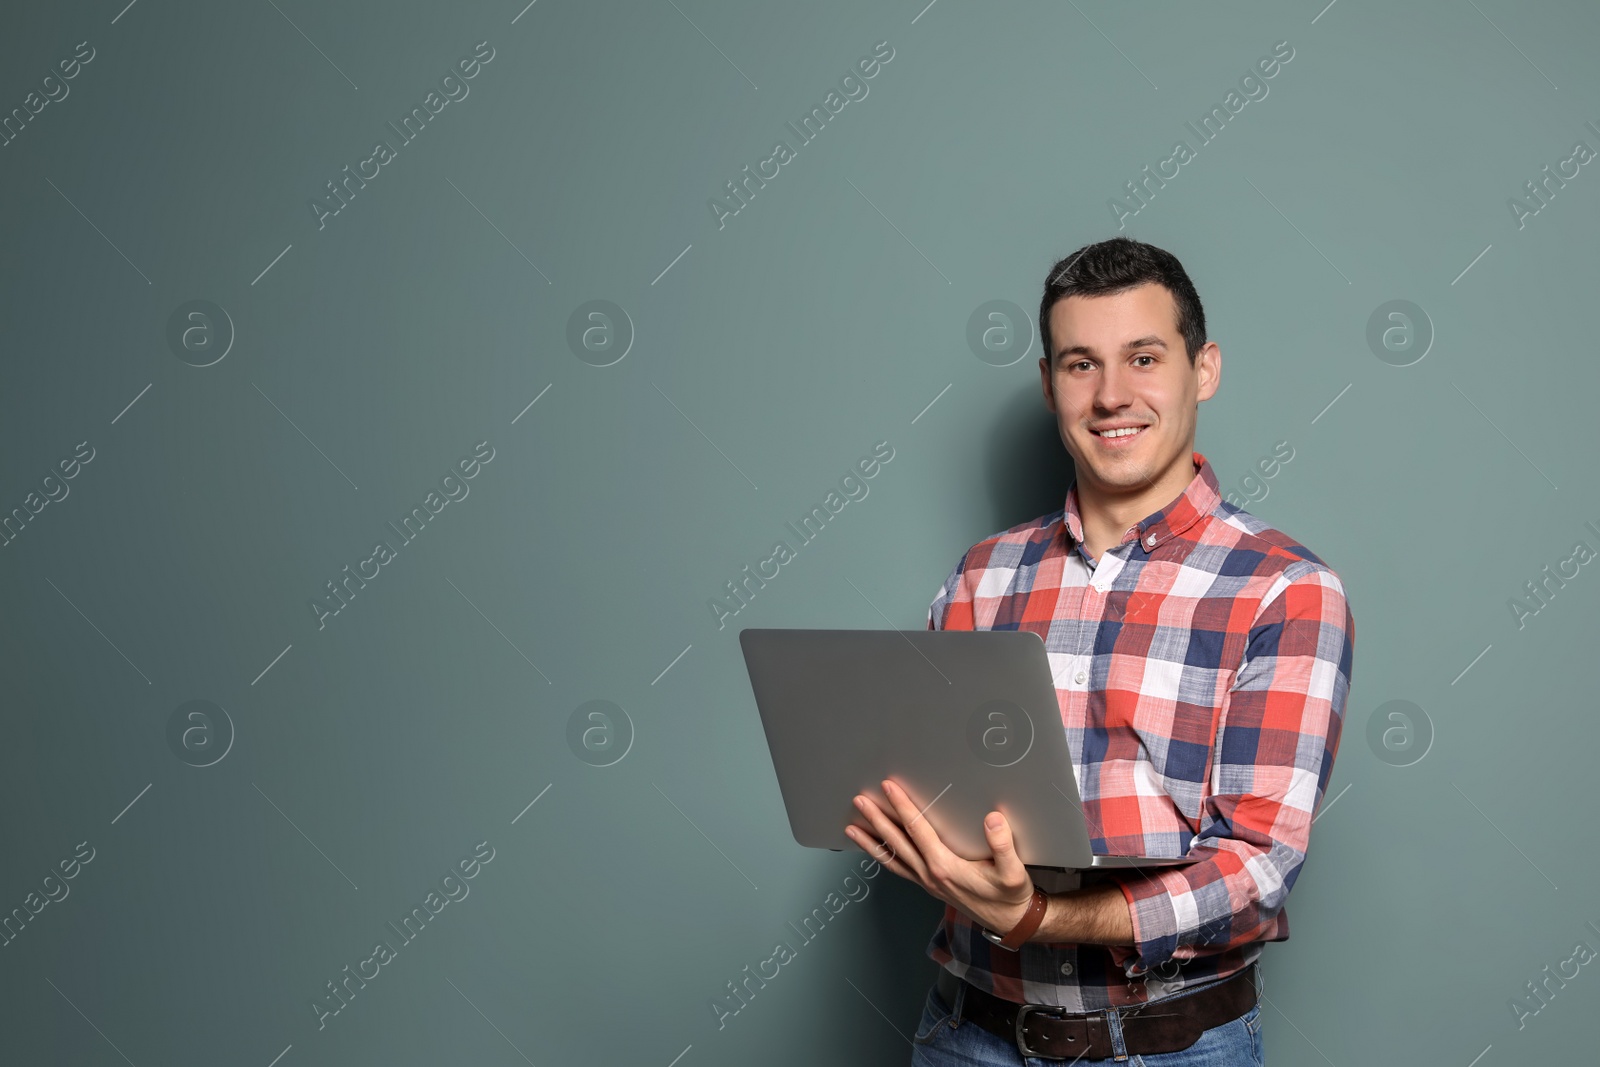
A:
[(1029, 922)]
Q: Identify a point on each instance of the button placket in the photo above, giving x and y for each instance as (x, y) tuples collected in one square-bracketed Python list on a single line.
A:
[(1105, 575)]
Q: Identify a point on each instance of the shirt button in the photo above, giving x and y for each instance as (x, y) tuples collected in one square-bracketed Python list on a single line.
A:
[(1151, 540), (1066, 968), (1080, 677)]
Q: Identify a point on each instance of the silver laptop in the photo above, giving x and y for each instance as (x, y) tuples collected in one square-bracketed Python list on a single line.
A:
[(966, 721)]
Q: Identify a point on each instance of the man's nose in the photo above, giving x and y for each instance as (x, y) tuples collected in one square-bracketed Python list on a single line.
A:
[(1114, 391)]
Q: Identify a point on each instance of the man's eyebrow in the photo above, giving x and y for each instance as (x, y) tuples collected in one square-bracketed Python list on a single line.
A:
[(1152, 341)]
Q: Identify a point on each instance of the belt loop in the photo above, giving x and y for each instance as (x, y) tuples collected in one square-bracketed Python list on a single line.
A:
[(1119, 1048), (960, 1003)]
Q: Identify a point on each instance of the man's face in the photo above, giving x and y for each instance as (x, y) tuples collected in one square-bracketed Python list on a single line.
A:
[(1120, 362)]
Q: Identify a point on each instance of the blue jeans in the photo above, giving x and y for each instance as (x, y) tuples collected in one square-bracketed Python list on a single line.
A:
[(945, 1039)]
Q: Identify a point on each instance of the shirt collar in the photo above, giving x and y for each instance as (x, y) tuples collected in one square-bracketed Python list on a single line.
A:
[(1193, 504)]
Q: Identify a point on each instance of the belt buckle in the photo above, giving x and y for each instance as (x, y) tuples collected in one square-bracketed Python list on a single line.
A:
[(1023, 1011)]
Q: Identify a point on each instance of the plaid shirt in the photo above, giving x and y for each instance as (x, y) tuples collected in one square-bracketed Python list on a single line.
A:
[(1203, 622)]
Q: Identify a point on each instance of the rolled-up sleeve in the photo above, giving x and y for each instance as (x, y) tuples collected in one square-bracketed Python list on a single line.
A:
[(939, 610), (1276, 741)]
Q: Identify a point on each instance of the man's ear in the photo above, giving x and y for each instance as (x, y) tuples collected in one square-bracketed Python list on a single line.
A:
[(1208, 366), (1046, 385)]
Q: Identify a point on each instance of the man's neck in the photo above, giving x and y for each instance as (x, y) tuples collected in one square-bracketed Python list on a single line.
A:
[(1107, 517)]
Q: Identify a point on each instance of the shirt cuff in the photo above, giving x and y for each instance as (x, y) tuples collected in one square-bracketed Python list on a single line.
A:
[(1155, 924)]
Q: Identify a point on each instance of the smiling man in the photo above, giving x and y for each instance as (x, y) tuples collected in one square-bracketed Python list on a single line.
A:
[(1202, 661)]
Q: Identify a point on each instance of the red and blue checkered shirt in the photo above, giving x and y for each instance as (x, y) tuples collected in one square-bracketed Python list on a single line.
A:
[(1202, 667)]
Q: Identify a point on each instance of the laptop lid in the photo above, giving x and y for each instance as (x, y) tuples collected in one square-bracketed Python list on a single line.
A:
[(967, 721)]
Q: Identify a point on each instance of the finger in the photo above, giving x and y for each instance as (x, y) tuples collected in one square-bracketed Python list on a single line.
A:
[(880, 852), (886, 831), (889, 832), (887, 811), (922, 834)]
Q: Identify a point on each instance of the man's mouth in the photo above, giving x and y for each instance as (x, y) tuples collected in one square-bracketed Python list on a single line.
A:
[(1120, 437)]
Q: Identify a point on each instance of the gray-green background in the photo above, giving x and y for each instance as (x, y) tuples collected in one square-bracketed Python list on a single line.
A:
[(369, 756)]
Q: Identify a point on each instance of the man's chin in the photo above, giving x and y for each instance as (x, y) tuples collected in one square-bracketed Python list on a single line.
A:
[(1115, 477)]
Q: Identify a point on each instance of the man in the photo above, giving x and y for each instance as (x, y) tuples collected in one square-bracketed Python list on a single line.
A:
[(1202, 662)]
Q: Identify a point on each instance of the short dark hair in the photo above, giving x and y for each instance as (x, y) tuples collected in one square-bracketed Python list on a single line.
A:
[(1117, 265)]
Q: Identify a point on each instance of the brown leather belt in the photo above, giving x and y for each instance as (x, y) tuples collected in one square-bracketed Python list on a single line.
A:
[(1166, 1025)]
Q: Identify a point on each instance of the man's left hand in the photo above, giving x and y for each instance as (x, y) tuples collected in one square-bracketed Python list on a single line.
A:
[(993, 893)]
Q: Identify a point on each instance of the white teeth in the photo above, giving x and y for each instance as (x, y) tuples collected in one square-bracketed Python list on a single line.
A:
[(1121, 433)]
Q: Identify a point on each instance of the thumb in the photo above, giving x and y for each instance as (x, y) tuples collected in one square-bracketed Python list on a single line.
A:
[(998, 832)]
